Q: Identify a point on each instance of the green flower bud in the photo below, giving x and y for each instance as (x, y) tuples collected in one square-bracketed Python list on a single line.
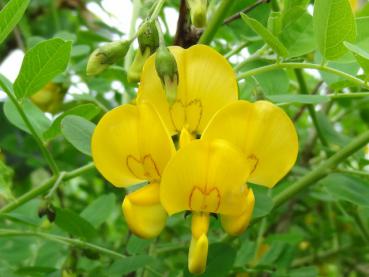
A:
[(148, 37), (135, 69), (198, 9), (166, 68), (106, 55)]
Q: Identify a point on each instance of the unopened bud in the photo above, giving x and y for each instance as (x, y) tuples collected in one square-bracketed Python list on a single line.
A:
[(135, 69), (198, 9), (148, 37), (106, 55), (166, 68)]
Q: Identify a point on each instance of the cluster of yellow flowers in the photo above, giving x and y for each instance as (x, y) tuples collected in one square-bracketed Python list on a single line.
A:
[(197, 153)]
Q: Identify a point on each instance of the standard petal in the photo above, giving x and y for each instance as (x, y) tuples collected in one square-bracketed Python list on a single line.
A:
[(265, 134), (151, 90), (207, 83), (237, 224), (131, 144), (205, 177)]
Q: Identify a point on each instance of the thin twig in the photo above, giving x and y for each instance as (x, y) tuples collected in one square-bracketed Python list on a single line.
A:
[(245, 10)]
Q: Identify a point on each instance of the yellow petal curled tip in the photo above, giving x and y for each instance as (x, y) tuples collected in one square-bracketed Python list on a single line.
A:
[(207, 83), (264, 132), (205, 177), (146, 221), (199, 224), (130, 144), (235, 225), (198, 255)]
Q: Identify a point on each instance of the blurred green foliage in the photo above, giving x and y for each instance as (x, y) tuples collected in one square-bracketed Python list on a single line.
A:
[(320, 231)]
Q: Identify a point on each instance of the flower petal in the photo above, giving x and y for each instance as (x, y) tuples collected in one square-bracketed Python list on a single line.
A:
[(207, 83), (205, 177), (237, 224), (145, 221), (198, 254), (265, 134), (131, 144)]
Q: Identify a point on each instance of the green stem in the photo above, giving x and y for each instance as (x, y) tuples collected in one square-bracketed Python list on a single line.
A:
[(62, 240), (236, 50), (44, 187), (272, 67), (157, 10), (320, 256), (353, 171), (216, 21), (348, 95), (56, 185), (304, 90), (132, 29), (45, 152), (322, 170)]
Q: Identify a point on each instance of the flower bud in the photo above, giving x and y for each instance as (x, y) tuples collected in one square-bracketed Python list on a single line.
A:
[(135, 69), (148, 37), (106, 55), (166, 68), (198, 9)]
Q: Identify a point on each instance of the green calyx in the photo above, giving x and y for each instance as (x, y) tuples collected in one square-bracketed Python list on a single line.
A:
[(106, 55), (167, 70), (148, 37)]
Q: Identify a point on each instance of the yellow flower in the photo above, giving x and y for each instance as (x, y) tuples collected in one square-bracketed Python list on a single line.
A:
[(130, 145), (244, 141), (206, 83)]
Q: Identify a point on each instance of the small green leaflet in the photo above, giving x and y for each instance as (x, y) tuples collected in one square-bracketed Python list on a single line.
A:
[(361, 56), (347, 188), (267, 36), (39, 121), (41, 64), (78, 132), (334, 23), (87, 111), (10, 15)]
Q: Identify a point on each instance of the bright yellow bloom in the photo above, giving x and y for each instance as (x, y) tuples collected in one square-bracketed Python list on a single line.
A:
[(130, 145), (207, 83), (244, 141)]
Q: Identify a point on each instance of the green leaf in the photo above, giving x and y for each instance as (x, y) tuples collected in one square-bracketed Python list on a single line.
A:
[(41, 64), (347, 188), (78, 132), (297, 33), (74, 224), (137, 245), (105, 205), (298, 98), (271, 83), (129, 264), (267, 36), (39, 121), (307, 271), (220, 260), (334, 23), (10, 15), (87, 111), (263, 202), (361, 56), (6, 85)]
